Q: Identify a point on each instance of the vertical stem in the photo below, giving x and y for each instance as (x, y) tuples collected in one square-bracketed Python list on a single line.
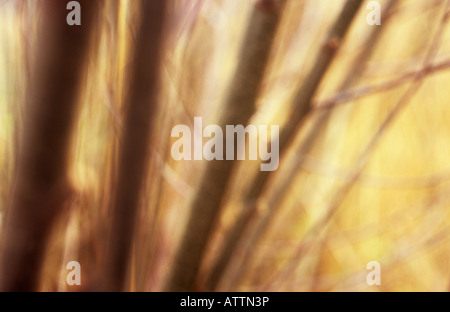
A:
[(41, 185), (140, 103), (281, 187), (238, 108), (301, 108)]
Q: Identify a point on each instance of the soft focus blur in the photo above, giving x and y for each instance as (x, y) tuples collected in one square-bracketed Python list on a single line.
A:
[(371, 187)]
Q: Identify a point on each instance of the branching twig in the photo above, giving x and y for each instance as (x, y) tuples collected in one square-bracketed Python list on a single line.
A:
[(317, 229), (300, 110), (375, 181), (281, 187), (359, 92), (239, 108)]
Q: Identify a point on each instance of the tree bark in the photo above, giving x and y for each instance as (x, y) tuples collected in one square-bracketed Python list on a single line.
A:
[(41, 185), (140, 104), (301, 108), (238, 108)]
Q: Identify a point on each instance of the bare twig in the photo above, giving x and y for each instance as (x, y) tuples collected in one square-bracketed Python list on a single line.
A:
[(281, 187), (317, 229), (300, 110), (239, 107), (315, 166), (359, 92)]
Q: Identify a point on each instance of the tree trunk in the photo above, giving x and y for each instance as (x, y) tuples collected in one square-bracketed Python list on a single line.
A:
[(41, 186), (140, 104), (238, 109)]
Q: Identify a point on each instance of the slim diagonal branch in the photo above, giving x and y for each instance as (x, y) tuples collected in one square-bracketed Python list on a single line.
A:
[(281, 186), (301, 108), (347, 96), (238, 109), (320, 226)]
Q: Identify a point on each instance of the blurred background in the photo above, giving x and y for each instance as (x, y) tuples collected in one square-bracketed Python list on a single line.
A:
[(364, 178)]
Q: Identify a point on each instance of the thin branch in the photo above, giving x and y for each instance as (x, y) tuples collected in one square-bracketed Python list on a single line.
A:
[(301, 108), (425, 239), (427, 206), (374, 181), (359, 92), (317, 229), (238, 109)]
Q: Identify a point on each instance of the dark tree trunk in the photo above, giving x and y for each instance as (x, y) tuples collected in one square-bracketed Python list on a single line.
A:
[(41, 186), (239, 107), (140, 104)]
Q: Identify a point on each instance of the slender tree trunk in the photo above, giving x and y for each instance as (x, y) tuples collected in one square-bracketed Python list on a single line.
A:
[(301, 108), (238, 109), (281, 186), (41, 186), (140, 104)]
